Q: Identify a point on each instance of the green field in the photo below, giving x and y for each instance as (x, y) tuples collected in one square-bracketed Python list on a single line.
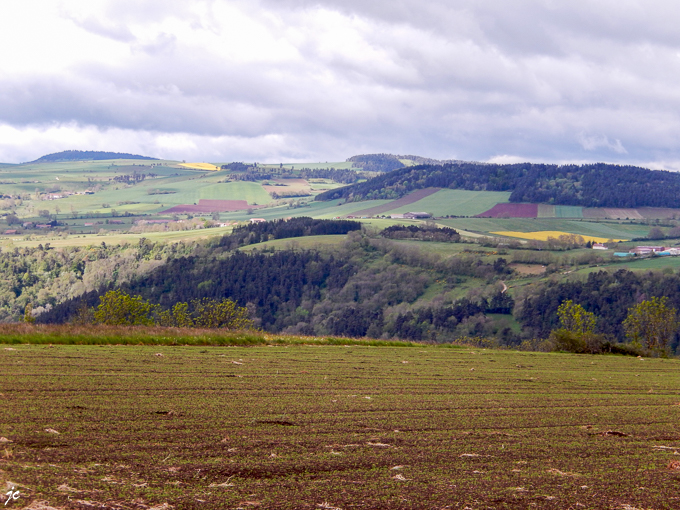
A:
[(568, 211), (337, 427), (299, 243), (455, 202), (607, 229)]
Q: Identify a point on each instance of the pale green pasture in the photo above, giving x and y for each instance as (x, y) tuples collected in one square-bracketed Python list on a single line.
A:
[(190, 192), (382, 223), (338, 165), (117, 238), (325, 185), (444, 249), (187, 192), (301, 243), (651, 263), (455, 202), (322, 210), (568, 211)]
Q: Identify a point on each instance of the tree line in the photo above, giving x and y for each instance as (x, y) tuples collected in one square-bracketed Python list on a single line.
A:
[(426, 233)]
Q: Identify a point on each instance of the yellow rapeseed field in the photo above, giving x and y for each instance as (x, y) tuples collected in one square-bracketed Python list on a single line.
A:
[(543, 235), (200, 166)]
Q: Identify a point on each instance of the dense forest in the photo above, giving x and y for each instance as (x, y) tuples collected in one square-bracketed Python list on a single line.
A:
[(590, 185), (87, 156)]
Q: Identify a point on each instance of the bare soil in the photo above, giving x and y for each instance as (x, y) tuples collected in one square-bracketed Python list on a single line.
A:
[(123, 427)]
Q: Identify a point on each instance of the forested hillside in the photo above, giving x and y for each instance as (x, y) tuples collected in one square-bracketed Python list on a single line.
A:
[(382, 285), (87, 156), (45, 276), (592, 185), (365, 288)]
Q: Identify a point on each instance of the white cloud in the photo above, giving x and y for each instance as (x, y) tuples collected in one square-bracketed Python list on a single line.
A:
[(530, 80), (591, 143)]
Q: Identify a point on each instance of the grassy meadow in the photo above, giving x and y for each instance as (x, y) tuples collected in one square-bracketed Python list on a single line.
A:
[(344, 426)]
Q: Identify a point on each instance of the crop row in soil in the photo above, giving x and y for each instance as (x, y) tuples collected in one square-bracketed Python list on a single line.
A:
[(337, 427)]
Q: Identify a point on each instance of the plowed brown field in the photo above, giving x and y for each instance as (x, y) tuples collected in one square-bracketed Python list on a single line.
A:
[(336, 427)]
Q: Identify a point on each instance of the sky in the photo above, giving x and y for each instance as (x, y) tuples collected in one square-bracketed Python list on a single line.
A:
[(298, 80)]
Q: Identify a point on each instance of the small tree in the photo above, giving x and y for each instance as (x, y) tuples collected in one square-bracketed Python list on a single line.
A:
[(577, 333), (210, 313), (28, 314), (119, 308), (574, 318), (652, 323)]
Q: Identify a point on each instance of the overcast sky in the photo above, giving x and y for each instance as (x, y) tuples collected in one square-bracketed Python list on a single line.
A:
[(298, 80)]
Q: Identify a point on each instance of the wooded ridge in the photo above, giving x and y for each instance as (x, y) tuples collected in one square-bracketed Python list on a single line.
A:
[(590, 185)]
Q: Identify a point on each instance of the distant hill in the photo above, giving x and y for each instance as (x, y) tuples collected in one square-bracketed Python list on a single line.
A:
[(389, 162), (87, 156), (590, 185)]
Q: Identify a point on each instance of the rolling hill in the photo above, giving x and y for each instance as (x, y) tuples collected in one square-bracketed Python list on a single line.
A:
[(74, 155)]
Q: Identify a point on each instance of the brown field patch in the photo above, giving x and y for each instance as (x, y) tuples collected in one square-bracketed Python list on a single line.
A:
[(622, 214), (662, 213), (528, 269), (594, 213), (508, 210), (288, 186)]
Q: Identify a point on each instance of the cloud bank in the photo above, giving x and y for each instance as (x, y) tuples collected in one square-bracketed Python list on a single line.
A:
[(302, 80)]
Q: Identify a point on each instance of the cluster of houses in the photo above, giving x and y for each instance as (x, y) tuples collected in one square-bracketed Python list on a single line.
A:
[(57, 196), (404, 216), (411, 216), (642, 251), (28, 224)]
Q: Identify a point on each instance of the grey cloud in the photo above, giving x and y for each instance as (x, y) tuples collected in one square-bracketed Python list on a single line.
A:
[(162, 44)]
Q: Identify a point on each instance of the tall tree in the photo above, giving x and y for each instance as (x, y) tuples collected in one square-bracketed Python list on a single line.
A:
[(652, 323)]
